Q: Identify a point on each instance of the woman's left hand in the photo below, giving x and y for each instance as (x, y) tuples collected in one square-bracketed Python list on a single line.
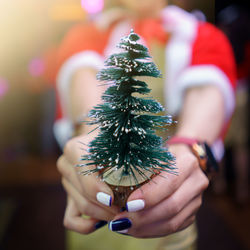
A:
[(165, 205)]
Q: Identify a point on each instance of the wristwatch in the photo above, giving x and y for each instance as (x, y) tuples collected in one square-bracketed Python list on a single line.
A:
[(202, 151)]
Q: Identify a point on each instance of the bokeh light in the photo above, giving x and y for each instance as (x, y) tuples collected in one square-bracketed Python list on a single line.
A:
[(92, 6), (4, 87), (36, 67)]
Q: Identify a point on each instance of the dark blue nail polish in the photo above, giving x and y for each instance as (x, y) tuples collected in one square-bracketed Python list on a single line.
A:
[(100, 224), (119, 225), (123, 209)]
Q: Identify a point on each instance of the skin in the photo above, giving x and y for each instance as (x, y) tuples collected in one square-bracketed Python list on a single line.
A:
[(170, 204)]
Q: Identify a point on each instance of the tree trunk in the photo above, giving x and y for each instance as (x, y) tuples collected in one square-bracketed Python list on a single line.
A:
[(124, 187)]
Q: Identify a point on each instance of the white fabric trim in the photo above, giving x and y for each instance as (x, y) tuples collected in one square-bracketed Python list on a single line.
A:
[(180, 75), (181, 24), (178, 53), (218, 149), (63, 131), (201, 75), (63, 128), (206, 75), (120, 30), (83, 59)]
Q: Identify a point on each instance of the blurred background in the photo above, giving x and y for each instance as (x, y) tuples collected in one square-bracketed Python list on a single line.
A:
[(32, 201)]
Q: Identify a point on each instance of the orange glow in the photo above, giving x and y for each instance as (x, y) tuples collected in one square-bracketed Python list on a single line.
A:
[(67, 12)]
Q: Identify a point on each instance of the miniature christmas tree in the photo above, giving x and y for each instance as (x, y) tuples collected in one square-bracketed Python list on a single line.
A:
[(127, 152)]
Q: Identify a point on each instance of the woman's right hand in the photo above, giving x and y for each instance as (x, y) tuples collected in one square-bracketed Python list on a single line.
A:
[(87, 195)]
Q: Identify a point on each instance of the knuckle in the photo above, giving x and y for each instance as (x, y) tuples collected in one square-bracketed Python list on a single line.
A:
[(173, 226), (59, 164), (140, 234), (88, 187), (188, 163), (192, 219), (199, 201), (197, 204), (174, 183), (64, 168), (138, 231), (68, 146), (204, 182), (86, 231), (83, 229), (188, 223), (67, 222), (82, 208), (193, 162), (69, 173), (175, 204), (87, 210), (189, 159)]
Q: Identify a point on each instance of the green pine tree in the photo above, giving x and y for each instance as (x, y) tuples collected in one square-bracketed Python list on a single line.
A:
[(127, 141)]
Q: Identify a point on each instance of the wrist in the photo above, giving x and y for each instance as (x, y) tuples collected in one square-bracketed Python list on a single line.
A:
[(201, 151), (179, 149)]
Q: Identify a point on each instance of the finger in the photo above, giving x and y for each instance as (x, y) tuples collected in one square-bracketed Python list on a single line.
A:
[(165, 184), (75, 148), (165, 227), (73, 220), (86, 207), (68, 172), (192, 188), (90, 186), (182, 220), (189, 221), (96, 190), (87, 186)]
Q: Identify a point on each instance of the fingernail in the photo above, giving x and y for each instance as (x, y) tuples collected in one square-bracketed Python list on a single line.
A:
[(104, 198), (122, 231), (120, 225), (100, 224), (135, 205)]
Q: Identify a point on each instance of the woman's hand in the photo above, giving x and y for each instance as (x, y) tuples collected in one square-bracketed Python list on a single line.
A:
[(87, 195), (165, 205)]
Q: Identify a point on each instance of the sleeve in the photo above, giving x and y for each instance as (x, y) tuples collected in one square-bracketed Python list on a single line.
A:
[(212, 62), (49, 74), (82, 46), (197, 54)]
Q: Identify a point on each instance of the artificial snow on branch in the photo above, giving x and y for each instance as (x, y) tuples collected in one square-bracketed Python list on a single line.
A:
[(127, 145)]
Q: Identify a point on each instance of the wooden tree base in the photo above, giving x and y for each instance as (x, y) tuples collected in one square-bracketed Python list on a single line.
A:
[(122, 189), (121, 194)]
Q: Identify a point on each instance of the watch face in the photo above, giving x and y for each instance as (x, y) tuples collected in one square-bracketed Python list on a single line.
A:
[(200, 150), (212, 165)]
